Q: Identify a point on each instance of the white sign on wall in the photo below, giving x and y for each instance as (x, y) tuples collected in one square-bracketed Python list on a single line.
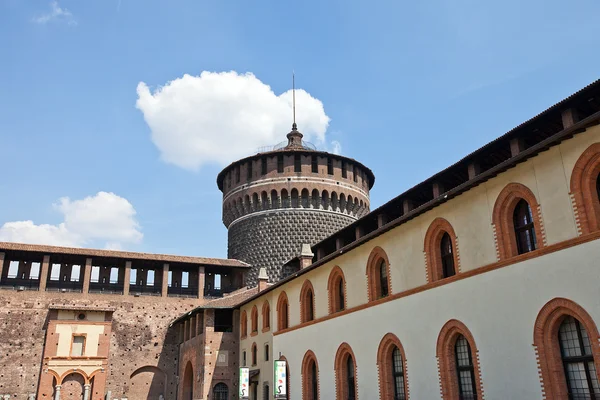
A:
[(244, 383), (280, 379)]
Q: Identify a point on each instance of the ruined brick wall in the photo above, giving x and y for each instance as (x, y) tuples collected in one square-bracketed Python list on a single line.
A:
[(143, 355), (270, 239)]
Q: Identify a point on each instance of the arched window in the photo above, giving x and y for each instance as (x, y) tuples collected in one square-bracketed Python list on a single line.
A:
[(441, 251), (383, 277), (282, 312), (307, 302), (567, 342), (524, 228), (345, 372), (350, 378), (465, 373), (310, 377), (254, 319), (457, 361), (447, 256), (517, 221), (266, 315), (578, 360), (391, 363), (220, 391), (244, 324), (336, 287), (378, 274), (585, 189), (254, 354)]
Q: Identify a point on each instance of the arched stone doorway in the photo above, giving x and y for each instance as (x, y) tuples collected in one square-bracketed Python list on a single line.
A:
[(188, 382)]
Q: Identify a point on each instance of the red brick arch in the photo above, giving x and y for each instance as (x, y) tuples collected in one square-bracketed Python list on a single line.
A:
[(306, 291), (545, 341), (373, 282), (583, 189), (341, 357), (447, 362), (266, 315), (307, 377), (432, 248), (283, 311), (502, 219), (332, 290), (254, 321), (384, 364)]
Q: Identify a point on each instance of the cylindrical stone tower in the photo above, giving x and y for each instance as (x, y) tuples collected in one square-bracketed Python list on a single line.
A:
[(292, 194)]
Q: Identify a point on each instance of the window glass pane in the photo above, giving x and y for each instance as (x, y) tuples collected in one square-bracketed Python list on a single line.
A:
[(77, 346), (569, 339), (383, 274)]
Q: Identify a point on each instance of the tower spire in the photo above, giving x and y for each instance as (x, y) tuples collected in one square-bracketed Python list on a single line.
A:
[(294, 126)]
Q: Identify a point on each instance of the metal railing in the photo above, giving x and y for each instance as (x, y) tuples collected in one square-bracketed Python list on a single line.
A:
[(12, 282), (182, 292), (112, 287), (64, 286), (145, 290)]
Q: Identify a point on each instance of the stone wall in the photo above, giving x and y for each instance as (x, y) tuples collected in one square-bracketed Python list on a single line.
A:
[(143, 351), (270, 239)]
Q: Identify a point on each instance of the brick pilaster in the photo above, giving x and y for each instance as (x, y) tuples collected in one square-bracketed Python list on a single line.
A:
[(165, 280), (44, 273), (126, 278), (87, 275), (201, 275)]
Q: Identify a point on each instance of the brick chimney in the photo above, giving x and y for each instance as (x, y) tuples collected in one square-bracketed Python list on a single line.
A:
[(306, 256), (263, 279)]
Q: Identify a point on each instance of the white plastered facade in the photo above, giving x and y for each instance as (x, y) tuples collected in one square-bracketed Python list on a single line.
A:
[(499, 307)]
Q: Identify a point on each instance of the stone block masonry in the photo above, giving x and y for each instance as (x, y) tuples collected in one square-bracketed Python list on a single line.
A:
[(272, 238)]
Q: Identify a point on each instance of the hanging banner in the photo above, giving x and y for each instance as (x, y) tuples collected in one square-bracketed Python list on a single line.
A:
[(244, 383), (280, 379)]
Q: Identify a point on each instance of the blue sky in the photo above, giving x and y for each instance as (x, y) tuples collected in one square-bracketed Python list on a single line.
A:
[(409, 88)]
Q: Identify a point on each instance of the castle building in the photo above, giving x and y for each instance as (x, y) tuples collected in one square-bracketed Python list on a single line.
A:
[(480, 282), (292, 194)]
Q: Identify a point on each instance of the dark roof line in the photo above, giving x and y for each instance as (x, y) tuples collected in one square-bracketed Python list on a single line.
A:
[(581, 126), (223, 262), (221, 175)]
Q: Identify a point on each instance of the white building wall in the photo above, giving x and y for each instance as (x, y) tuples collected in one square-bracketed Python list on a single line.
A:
[(498, 307)]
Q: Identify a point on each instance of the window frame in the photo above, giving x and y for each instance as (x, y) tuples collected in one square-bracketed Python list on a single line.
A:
[(244, 325), (310, 377), (254, 321), (283, 312), (374, 278), (307, 302), (434, 261), (387, 373), (523, 209), (336, 282), (342, 373), (583, 187), (447, 365), (503, 219), (266, 315), (547, 347)]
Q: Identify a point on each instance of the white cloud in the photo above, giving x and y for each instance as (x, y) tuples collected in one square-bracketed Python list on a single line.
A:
[(105, 220), (218, 117), (56, 13)]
